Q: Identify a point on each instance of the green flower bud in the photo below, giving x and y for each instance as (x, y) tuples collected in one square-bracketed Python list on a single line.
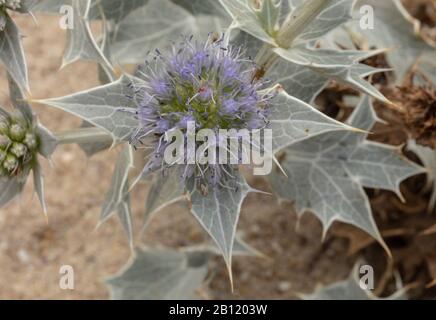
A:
[(3, 155), (17, 117), (4, 142), (30, 141), (17, 132), (10, 163), (4, 126), (18, 149)]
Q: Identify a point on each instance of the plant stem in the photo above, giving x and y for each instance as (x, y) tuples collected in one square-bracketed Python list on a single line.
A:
[(298, 20), (266, 58), (294, 24), (83, 135)]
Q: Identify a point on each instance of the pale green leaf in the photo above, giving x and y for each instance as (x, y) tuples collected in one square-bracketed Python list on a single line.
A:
[(268, 14), (333, 14), (10, 188), (245, 18), (323, 58), (428, 157), (80, 41), (351, 289), (47, 141), (92, 148), (327, 173), (114, 10), (12, 54), (218, 211), (153, 26), (117, 191), (293, 120), (101, 106), (160, 275), (301, 82), (394, 29), (38, 181), (202, 7), (124, 213), (327, 64), (165, 190), (18, 100)]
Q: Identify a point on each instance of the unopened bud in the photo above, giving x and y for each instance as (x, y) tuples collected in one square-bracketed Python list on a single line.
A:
[(17, 117), (30, 141), (18, 149), (3, 155), (10, 163), (17, 132), (4, 126), (4, 142)]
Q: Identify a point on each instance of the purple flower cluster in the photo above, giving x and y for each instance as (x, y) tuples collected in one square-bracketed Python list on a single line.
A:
[(205, 83)]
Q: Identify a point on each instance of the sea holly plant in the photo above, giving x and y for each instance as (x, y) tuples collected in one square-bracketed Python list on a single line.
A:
[(249, 67), (22, 140)]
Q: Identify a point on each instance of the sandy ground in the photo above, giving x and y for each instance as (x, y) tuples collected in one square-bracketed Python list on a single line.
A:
[(31, 251)]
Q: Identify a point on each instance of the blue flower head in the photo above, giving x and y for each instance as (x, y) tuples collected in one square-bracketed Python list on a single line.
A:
[(207, 83)]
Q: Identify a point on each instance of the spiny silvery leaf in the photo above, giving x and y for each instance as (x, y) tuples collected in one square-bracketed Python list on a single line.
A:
[(38, 181), (218, 212), (394, 28), (351, 289), (105, 76), (323, 58), (333, 14), (306, 82), (342, 66), (320, 17), (47, 141), (101, 106), (427, 66), (428, 158), (301, 82), (18, 99), (12, 54), (124, 213), (166, 189), (327, 173), (113, 10), (10, 188), (319, 65), (160, 275), (153, 26), (293, 120), (246, 18), (116, 194), (80, 41), (240, 248)]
